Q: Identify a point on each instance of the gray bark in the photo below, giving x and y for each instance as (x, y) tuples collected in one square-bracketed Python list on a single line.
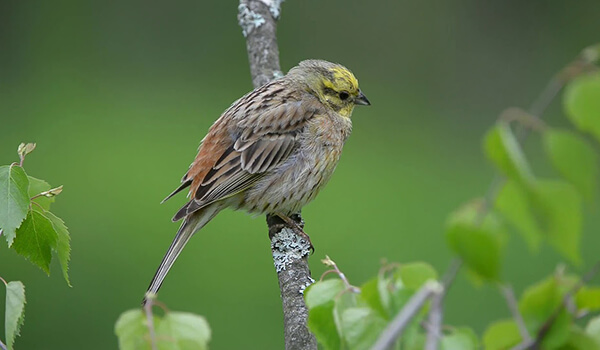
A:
[(258, 19)]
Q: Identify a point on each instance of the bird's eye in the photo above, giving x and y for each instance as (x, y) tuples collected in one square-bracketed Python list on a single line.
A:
[(344, 95)]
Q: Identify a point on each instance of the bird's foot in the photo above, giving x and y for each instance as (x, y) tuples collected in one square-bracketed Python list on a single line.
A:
[(298, 227)]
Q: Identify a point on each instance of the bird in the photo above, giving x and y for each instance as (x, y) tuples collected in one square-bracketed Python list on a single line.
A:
[(270, 152)]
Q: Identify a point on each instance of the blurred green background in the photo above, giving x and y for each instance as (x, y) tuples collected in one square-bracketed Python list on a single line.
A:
[(118, 95)]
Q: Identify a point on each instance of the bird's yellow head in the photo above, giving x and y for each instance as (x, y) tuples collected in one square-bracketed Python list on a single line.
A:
[(333, 84)]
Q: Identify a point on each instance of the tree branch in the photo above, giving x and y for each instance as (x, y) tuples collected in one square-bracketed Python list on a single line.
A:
[(258, 19)]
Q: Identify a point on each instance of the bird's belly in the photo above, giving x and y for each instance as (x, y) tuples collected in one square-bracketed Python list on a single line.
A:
[(295, 183)]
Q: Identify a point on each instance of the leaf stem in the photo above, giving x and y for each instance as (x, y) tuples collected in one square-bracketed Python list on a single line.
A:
[(150, 322), (2, 279)]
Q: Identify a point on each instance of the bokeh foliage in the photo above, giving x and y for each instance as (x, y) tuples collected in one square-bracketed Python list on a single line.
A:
[(118, 96)]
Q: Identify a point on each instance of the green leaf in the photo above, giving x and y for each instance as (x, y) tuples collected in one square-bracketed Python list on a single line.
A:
[(414, 275), (588, 298), (63, 246), (37, 186), (462, 338), (361, 326), (369, 292), (574, 159), (503, 149), (322, 324), (513, 204), (15, 311), (35, 240), (479, 245), (322, 292), (14, 201), (183, 331), (537, 304), (501, 335), (593, 328), (582, 103), (579, 340), (132, 330), (560, 209), (320, 300)]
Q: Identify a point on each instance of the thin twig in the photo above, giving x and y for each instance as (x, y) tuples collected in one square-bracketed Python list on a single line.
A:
[(436, 314), (327, 261), (395, 329), (2, 346), (2, 279), (150, 322), (511, 301)]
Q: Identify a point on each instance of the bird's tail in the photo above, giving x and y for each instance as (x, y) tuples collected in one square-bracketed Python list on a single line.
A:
[(190, 225)]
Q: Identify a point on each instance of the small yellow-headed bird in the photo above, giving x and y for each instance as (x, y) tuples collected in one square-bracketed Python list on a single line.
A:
[(270, 152)]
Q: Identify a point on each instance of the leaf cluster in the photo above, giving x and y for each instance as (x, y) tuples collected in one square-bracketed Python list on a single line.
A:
[(31, 229)]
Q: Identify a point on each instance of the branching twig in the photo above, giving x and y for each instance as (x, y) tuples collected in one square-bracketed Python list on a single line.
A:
[(545, 328), (538, 107), (327, 261), (396, 327)]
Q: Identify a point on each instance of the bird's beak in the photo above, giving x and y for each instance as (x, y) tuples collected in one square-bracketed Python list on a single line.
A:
[(361, 99)]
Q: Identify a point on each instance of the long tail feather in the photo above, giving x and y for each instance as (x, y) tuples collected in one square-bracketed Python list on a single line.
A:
[(190, 225)]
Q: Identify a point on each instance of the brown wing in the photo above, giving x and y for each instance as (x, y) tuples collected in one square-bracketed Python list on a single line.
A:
[(256, 134)]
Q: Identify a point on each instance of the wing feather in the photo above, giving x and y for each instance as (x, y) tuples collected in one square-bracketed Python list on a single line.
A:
[(254, 136)]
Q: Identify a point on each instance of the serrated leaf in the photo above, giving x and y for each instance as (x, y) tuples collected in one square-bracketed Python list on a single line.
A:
[(501, 335), (323, 292), (574, 159), (582, 103), (593, 328), (537, 304), (183, 331), (322, 324), (462, 338), (132, 330), (513, 204), (14, 200), (36, 238), (579, 340), (361, 327), (503, 149), (479, 245), (63, 245), (414, 275), (560, 209), (37, 186), (588, 298), (15, 311)]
